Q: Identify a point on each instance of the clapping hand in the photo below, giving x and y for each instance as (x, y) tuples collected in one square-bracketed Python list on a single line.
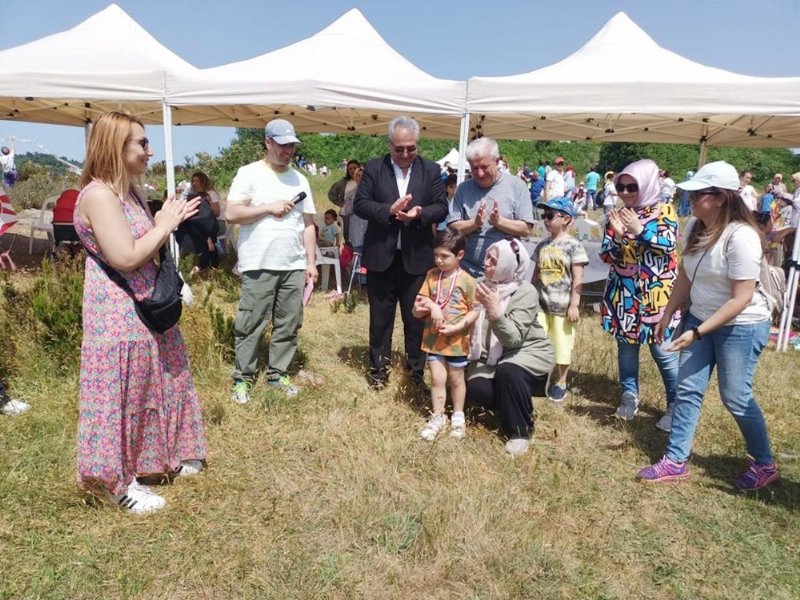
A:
[(630, 221), (494, 216), (489, 298), (479, 216), (408, 216), (175, 211), (399, 205)]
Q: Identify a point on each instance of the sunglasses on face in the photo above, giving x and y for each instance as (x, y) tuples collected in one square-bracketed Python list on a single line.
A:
[(698, 195), (144, 143), (631, 188), (404, 149), (550, 215)]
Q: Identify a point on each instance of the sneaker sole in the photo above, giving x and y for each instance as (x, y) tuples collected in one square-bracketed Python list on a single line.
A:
[(667, 478), (622, 418), (664, 429), (769, 481)]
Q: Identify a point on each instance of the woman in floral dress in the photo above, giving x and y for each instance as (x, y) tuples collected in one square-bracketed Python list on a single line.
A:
[(139, 412)]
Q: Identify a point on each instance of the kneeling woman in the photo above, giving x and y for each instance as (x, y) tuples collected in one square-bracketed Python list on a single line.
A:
[(511, 352)]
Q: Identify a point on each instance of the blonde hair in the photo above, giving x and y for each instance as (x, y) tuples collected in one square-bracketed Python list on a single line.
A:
[(733, 209), (796, 176), (105, 151)]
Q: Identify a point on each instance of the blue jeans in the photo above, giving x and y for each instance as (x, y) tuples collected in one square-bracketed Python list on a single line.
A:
[(628, 362), (734, 350)]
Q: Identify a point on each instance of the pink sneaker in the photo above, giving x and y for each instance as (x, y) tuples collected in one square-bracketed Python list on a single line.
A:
[(664, 470), (756, 476)]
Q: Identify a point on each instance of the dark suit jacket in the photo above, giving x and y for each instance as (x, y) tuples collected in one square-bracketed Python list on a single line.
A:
[(376, 193)]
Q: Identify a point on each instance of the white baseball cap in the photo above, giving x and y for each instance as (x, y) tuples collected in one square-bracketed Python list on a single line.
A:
[(719, 174), (281, 131)]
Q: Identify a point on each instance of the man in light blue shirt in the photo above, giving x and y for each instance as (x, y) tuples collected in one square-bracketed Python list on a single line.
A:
[(592, 178)]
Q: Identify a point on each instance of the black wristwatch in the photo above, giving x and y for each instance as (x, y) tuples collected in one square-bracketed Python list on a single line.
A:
[(696, 332)]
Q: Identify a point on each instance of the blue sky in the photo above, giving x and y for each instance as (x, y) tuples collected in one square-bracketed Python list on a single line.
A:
[(450, 39)]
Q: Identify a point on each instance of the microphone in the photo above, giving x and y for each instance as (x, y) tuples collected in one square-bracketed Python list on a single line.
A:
[(299, 198)]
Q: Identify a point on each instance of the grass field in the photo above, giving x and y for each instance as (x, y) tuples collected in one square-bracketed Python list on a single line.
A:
[(333, 494)]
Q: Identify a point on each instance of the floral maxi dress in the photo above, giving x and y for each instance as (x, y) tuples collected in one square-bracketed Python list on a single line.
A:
[(139, 411)]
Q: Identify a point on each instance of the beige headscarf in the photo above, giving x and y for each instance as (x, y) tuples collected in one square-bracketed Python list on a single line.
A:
[(512, 264)]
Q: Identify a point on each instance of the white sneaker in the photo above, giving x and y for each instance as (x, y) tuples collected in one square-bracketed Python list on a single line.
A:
[(241, 392), (14, 407), (628, 407), (517, 446), (189, 468), (458, 426), (139, 499), (665, 422), (436, 424)]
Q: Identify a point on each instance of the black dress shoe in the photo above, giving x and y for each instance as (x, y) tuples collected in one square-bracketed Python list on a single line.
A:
[(377, 381)]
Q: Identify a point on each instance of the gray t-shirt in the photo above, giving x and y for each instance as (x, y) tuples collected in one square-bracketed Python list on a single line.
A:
[(554, 260), (514, 202)]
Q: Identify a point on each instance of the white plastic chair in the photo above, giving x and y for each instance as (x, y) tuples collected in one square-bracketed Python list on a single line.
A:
[(41, 224), (326, 257)]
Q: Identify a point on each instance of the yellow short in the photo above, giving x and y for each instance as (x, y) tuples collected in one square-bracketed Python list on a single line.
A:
[(562, 334)]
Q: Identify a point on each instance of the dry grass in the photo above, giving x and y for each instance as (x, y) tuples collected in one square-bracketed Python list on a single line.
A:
[(333, 494)]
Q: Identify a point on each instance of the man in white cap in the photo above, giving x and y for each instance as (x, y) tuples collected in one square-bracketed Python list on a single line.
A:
[(277, 258)]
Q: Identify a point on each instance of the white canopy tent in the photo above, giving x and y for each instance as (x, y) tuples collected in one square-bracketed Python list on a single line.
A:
[(622, 86), (345, 78), (107, 62), (454, 158)]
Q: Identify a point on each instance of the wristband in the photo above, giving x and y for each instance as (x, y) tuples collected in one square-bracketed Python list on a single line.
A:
[(696, 332)]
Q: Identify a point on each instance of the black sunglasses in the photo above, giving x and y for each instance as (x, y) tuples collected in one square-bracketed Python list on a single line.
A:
[(631, 188), (405, 149), (144, 143), (696, 195), (550, 215)]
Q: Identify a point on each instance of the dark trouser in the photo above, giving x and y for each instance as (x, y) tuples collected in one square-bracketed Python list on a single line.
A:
[(385, 289), (508, 394)]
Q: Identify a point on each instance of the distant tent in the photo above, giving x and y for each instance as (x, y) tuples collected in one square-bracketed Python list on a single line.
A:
[(454, 159)]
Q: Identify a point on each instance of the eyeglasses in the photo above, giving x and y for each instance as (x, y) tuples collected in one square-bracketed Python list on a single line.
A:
[(550, 215), (404, 149), (515, 248), (631, 188), (144, 143), (698, 195)]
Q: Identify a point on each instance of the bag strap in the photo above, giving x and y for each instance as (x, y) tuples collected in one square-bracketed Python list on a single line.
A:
[(112, 273)]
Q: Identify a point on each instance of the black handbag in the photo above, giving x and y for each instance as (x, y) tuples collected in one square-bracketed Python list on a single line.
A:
[(163, 309)]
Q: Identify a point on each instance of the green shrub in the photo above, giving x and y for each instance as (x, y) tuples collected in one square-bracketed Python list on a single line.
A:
[(223, 329), (50, 309), (39, 185)]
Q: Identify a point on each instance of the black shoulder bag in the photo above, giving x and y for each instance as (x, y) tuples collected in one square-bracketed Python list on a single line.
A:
[(163, 309)]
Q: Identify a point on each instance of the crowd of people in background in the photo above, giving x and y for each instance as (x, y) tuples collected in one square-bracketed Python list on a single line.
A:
[(489, 311)]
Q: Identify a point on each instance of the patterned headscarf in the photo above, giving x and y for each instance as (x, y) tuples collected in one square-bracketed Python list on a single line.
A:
[(645, 173)]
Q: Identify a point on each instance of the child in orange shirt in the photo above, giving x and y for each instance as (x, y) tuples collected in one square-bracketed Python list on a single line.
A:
[(446, 302)]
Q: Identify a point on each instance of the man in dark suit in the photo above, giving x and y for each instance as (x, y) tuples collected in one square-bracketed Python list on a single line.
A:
[(402, 198)]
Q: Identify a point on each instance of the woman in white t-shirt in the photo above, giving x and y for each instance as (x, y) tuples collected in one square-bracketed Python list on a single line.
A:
[(727, 326)]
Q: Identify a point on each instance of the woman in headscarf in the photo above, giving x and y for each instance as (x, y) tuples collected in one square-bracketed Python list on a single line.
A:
[(511, 352), (640, 245)]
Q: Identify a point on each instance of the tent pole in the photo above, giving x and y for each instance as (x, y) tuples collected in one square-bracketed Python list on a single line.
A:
[(169, 162), (791, 292), (703, 153), (87, 131), (462, 146)]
